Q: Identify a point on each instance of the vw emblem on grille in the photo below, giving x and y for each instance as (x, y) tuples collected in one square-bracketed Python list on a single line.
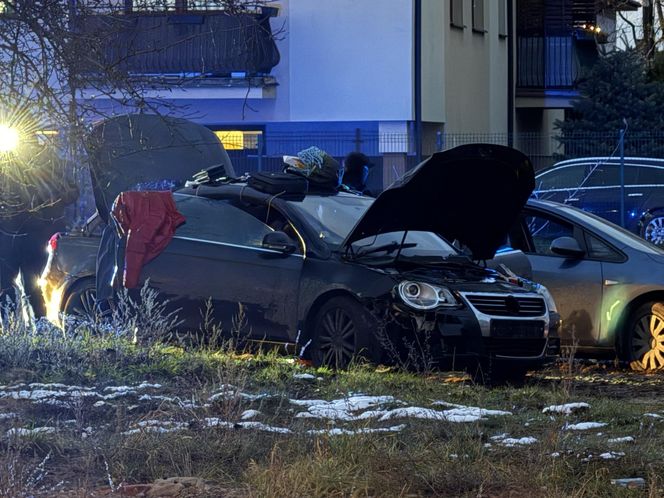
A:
[(512, 305)]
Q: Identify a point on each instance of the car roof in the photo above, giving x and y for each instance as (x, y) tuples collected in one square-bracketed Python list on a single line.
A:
[(645, 162), (241, 190)]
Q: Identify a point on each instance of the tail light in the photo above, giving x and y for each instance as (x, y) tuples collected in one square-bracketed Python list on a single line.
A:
[(53, 242)]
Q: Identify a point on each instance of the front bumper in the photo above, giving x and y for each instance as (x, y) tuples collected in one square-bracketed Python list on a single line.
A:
[(464, 333)]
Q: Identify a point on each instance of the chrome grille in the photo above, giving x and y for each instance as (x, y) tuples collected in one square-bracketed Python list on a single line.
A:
[(507, 305)]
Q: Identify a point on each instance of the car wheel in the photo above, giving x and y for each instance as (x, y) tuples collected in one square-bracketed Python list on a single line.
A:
[(81, 300), (653, 230), (645, 339), (343, 329)]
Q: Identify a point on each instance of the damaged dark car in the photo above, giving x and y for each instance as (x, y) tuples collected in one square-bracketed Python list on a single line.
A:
[(336, 275)]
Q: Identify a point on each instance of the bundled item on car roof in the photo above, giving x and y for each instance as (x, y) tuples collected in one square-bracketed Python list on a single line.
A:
[(211, 174), (275, 183), (318, 167)]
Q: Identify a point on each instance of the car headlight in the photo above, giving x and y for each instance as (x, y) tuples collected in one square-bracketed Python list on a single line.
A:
[(422, 296), (548, 298)]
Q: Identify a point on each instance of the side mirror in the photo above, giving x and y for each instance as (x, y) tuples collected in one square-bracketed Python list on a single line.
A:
[(568, 247), (279, 241)]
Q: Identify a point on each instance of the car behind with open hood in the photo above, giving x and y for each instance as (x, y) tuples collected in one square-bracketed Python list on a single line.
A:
[(336, 275)]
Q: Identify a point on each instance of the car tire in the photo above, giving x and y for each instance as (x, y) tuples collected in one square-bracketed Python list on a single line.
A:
[(343, 330), (644, 342), (652, 228), (81, 299)]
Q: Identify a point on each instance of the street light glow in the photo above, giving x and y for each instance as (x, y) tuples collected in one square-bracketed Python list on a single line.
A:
[(9, 138)]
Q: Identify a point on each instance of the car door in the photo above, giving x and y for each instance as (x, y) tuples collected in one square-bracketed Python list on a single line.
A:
[(216, 266), (575, 283)]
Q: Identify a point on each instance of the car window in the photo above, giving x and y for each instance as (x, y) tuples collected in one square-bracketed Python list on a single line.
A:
[(561, 177), (604, 175), (651, 175), (271, 217), (598, 249), (334, 216), (544, 230), (218, 221)]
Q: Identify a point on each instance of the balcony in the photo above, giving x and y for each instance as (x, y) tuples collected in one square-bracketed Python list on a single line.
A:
[(184, 44), (547, 62)]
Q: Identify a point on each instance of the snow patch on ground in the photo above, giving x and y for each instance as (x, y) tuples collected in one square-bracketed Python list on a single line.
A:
[(510, 442), (584, 426), (160, 426), (351, 432), (652, 415), (247, 414), (21, 432), (216, 422), (567, 408), (341, 409), (612, 455), (305, 376), (626, 439), (347, 410)]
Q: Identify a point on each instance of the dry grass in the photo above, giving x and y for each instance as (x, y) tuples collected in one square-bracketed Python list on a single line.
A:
[(93, 446)]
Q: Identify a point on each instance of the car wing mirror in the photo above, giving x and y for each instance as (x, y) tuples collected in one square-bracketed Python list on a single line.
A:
[(568, 247), (279, 241)]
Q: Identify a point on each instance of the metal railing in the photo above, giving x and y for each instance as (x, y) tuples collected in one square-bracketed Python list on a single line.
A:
[(547, 62)]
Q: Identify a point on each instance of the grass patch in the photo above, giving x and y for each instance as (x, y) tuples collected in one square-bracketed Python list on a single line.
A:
[(128, 411)]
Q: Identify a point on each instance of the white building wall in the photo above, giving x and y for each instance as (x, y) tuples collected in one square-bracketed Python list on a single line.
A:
[(350, 60)]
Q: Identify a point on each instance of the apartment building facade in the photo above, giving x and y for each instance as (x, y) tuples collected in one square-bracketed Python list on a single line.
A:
[(380, 72)]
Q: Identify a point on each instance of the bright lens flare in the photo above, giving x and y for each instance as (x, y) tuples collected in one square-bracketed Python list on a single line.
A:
[(9, 138)]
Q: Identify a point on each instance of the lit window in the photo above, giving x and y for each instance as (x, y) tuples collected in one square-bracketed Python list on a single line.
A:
[(238, 139)]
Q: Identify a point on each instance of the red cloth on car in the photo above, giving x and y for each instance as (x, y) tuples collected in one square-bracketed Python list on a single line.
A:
[(147, 221)]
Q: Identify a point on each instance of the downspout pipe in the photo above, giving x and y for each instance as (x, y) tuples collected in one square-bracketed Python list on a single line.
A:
[(510, 73), (418, 80)]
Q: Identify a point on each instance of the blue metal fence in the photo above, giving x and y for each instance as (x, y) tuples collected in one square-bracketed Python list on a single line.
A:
[(395, 153)]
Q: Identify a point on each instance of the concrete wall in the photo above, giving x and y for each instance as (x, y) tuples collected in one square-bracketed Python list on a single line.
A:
[(475, 74), (434, 27)]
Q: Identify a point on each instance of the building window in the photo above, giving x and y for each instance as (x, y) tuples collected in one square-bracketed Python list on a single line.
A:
[(502, 18), (239, 139), (478, 16), (456, 13)]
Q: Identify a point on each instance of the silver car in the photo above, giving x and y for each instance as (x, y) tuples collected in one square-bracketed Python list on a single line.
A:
[(607, 282)]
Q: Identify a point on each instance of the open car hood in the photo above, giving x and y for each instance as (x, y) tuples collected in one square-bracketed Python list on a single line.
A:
[(149, 152), (472, 193)]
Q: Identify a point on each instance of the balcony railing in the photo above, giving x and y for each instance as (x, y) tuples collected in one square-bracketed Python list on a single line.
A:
[(213, 43), (547, 62)]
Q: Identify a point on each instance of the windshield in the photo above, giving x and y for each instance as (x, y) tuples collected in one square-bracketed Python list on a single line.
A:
[(335, 216), (332, 217), (416, 245)]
